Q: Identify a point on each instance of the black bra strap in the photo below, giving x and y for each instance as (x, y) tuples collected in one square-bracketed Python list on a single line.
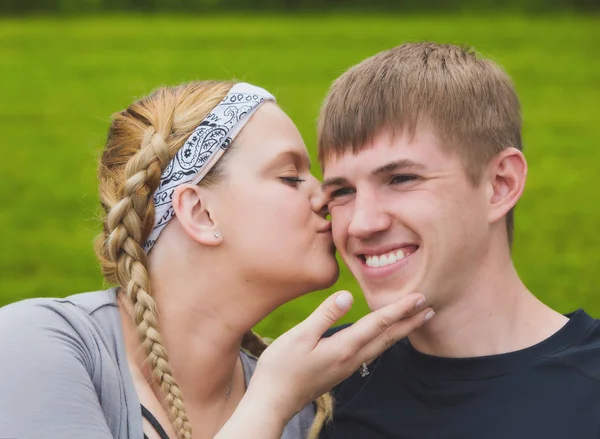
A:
[(150, 417)]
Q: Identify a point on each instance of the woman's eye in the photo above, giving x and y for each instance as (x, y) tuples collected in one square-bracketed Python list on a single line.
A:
[(295, 181), (402, 178)]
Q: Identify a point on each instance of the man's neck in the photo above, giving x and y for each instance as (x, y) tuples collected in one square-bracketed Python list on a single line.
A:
[(494, 316)]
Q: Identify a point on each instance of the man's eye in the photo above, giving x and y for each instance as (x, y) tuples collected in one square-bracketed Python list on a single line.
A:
[(402, 178), (341, 192), (295, 181)]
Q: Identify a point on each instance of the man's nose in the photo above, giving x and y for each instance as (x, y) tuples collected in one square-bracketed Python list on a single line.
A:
[(368, 217)]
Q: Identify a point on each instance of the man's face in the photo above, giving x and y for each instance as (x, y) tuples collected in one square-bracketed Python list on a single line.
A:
[(406, 218)]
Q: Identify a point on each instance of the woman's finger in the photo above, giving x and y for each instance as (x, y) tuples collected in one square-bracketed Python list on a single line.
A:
[(373, 325), (393, 334), (325, 316)]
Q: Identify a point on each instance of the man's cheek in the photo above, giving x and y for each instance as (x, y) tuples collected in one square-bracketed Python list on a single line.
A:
[(337, 226), (339, 240)]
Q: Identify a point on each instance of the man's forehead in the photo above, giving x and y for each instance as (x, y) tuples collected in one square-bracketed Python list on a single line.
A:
[(418, 151)]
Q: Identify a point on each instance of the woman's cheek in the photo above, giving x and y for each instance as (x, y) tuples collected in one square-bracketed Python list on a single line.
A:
[(297, 209)]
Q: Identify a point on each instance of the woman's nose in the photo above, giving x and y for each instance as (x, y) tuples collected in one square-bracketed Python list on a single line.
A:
[(318, 200)]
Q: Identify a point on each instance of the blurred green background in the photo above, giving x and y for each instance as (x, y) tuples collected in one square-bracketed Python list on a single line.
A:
[(62, 77)]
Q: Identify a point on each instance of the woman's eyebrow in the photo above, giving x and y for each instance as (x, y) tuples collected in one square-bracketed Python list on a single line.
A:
[(295, 156)]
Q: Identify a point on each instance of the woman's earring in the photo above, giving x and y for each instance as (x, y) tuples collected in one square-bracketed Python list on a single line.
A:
[(217, 234)]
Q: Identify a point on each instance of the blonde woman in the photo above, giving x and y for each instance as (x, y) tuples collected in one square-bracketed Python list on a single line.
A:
[(212, 221)]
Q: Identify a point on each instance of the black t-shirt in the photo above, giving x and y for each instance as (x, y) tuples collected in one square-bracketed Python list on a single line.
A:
[(550, 390)]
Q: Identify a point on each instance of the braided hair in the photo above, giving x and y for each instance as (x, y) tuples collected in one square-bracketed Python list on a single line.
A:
[(141, 142)]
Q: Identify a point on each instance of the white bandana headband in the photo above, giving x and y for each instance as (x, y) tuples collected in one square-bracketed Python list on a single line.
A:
[(204, 148)]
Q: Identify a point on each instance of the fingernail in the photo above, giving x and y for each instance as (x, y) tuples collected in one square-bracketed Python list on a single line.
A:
[(343, 300), (429, 315), (420, 303)]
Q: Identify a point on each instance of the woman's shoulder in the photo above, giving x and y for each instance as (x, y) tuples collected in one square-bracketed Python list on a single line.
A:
[(38, 310), (70, 320), (63, 359)]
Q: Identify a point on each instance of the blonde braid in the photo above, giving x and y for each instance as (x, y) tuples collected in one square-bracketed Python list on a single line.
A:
[(141, 142), (323, 415), (256, 345), (124, 222)]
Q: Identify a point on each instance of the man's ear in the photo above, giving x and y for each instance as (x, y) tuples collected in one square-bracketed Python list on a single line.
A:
[(192, 208), (507, 173)]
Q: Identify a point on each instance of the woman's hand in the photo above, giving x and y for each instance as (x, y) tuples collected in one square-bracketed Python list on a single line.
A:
[(301, 365)]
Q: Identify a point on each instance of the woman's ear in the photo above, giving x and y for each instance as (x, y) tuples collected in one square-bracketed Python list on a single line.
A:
[(507, 174), (192, 209)]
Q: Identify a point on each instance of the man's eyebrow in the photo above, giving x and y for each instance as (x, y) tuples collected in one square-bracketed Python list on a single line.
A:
[(335, 181), (398, 165)]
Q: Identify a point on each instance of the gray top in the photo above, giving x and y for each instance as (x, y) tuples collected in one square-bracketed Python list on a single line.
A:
[(64, 372)]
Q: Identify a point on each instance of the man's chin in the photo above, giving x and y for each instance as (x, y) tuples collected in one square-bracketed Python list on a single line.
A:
[(377, 299), (382, 292)]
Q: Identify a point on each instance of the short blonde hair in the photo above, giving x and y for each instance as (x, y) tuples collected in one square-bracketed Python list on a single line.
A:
[(469, 101)]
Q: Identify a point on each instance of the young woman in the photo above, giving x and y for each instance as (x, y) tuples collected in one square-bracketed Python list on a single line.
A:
[(203, 237)]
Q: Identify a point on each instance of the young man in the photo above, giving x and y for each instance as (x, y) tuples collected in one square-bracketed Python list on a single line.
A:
[(421, 152)]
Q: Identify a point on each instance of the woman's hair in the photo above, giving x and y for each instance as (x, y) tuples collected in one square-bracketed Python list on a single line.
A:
[(141, 142)]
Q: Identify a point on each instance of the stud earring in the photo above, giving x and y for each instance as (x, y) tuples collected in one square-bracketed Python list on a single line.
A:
[(217, 234)]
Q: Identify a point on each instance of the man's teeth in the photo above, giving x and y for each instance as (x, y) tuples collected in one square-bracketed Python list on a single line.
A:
[(385, 259)]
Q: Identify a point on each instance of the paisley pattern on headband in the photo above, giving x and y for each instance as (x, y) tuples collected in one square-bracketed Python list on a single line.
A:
[(203, 148)]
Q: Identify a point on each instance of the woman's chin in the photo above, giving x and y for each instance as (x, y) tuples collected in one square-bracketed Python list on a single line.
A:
[(320, 277), (330, 272)]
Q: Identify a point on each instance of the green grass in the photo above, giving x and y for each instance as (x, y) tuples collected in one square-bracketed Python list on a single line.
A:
[(61, 79)]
